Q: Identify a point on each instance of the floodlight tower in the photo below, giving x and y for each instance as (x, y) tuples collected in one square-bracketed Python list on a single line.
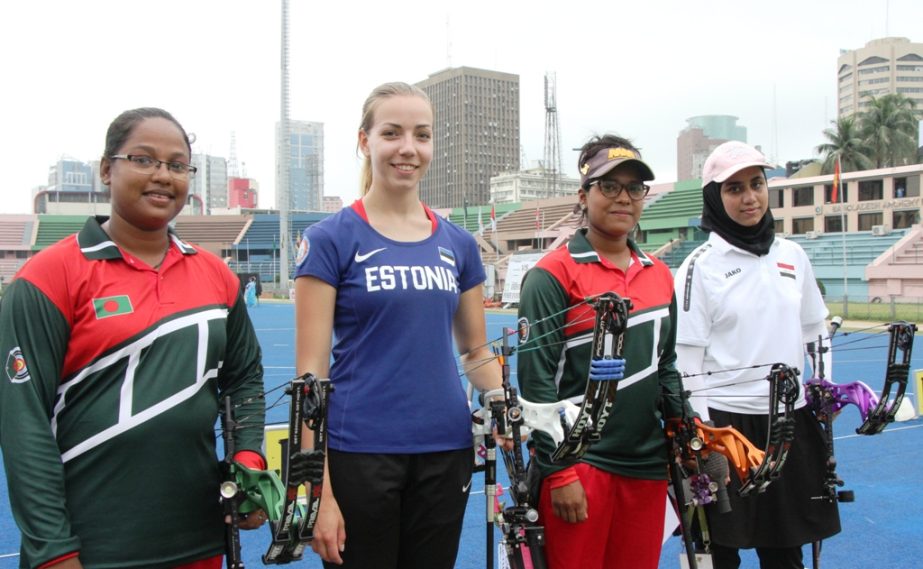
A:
[(552, 166), (285, 160)]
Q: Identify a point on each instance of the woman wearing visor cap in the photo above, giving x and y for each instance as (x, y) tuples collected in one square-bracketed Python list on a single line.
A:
[(607, 510)]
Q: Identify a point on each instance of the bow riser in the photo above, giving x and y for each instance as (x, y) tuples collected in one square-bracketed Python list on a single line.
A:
[(599, 397), (783, 390), (292, 534)]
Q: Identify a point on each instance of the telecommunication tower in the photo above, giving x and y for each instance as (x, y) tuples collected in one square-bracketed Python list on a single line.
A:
[(233, 169), (552, 165)]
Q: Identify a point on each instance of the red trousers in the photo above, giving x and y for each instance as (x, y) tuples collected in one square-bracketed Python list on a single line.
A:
[(624, 526), (210, 563)]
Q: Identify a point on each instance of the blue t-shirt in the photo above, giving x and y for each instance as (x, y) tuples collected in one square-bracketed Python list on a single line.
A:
[(397, 385)]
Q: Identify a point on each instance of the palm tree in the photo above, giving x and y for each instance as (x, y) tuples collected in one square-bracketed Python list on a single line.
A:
[(844, 141), (889, 127)]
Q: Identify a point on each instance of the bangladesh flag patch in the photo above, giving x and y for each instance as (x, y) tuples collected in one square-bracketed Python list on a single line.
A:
[(112, 306)]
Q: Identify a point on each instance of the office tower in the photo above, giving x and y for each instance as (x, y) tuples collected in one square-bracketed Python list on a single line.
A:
[(703, 134), (525, 185), (210, 184), (883, 66), (242, 192), (333, 204), (74, 188), (476, 134), (70, 175), (306, 173)]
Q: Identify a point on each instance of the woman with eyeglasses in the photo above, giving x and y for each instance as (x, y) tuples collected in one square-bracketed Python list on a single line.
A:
[(119, 342), (750, 300), (607, 510)]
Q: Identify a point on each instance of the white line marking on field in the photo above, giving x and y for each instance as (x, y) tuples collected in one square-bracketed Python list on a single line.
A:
[(888, 430)]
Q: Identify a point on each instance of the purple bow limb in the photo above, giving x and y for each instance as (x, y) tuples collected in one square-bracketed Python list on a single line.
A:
[(838, 396)]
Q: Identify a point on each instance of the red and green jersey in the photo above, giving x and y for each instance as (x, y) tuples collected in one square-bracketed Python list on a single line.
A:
[(554, 361), (110, 398)]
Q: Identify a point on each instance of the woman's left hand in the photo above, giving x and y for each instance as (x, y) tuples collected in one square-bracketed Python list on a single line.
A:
[(253, 520), (569, 502), (506, 443)]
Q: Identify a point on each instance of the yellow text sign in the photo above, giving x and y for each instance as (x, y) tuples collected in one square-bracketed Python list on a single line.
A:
[(275, 439)]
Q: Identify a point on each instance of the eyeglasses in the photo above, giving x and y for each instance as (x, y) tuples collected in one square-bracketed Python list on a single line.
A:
[(611, 189), (147, 165)]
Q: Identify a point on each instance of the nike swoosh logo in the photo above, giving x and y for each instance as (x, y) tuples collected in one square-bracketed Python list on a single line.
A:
[(466, 486), (359, 258)]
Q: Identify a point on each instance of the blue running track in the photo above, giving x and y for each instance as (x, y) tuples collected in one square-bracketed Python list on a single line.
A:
[(881, 529)]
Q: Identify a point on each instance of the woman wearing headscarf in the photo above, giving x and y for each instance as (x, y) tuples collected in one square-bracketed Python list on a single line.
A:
[(748, 298)]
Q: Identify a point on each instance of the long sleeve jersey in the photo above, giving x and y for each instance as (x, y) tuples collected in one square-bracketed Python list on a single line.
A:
[(110, 398), (554, 359)]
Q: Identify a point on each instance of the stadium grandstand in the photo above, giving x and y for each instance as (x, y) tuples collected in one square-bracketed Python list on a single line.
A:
[(256, 250), (15, 243), (879, 257), (248, 243)]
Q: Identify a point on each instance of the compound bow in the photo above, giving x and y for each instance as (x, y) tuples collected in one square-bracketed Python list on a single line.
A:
[(230, 491), (755, 468), (523, 537), (608, 340), (698, 479), (295, 530), (573, 430), (826, 399)]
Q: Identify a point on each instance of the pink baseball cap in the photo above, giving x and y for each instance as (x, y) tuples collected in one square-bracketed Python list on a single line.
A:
[(730, 158)]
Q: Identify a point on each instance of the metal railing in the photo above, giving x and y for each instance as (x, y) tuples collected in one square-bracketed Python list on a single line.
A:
[(876, 308)]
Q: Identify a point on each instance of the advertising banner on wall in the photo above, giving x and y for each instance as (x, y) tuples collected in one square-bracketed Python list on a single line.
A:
[(516, 270)]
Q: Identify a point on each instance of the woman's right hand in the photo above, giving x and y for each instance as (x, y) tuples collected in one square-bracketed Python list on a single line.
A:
[(569, 502), (330, 531)]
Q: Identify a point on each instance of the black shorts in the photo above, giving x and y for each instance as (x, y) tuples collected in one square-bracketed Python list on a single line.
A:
[(401, 510)]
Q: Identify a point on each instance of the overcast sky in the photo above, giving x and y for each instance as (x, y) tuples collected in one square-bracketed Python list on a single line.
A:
[(639, 69)]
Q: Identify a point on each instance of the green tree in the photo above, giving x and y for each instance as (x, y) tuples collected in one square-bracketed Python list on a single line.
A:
[(889, 127), (844, 141)]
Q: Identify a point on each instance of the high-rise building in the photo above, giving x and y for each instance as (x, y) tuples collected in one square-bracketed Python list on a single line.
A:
[(511, 187), (333, 204), (73, 188), (70, 175), (883, 66), (242, 192), (476, 134), (703, 134), (97, 182), (210, 184), (306, 175)]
